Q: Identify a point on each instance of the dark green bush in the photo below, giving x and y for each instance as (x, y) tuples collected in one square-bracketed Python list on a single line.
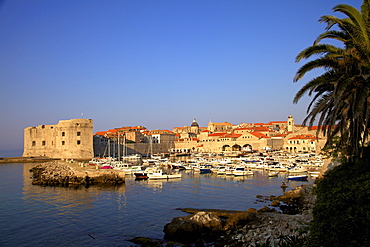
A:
[(342, 210)]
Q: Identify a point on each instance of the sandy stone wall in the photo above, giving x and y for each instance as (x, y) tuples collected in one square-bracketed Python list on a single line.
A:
[(69, 139)]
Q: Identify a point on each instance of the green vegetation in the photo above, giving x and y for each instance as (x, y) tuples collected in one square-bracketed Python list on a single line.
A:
[(341, 95), (342, 210), (340, 105)]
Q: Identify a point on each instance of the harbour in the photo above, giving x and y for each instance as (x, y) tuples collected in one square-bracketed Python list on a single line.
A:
[(110, 216)]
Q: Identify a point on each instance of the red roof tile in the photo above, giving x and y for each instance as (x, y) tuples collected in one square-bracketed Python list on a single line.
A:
[(310, 137), (259, 135)]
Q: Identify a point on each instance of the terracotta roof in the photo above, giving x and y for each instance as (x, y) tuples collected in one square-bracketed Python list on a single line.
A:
[(244, 128), (259, 135), (321, 127), (272, 122), (101, 133), (259, 124), (310, 137), (217, 134), (261, 129), (233, 135)]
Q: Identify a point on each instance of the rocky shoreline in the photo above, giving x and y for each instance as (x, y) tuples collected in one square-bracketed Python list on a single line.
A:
[(264, 227)]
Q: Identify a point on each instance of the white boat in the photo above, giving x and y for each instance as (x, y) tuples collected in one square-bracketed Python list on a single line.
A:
[(297, 169), (242, 171), (229, 171), (314, 173), (273, 173), (317, 163), (219, 170), (278, 167), (159, 174), (100, 161), (135, 169), (121, 166)]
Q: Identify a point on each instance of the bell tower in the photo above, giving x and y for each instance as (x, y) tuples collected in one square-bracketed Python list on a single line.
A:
[(290, 123)]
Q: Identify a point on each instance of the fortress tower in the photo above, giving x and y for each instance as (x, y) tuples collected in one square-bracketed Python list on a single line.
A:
[(69, 139)]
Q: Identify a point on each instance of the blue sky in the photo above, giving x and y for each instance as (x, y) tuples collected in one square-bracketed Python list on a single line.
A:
[(156, 63)]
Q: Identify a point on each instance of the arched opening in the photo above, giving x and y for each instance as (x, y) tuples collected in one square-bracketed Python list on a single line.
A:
[(226, 148), (247, 147), (236, 147)]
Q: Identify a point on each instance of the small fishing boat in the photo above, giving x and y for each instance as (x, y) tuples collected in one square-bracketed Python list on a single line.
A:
[(159, 174), (297, 177), (273, 173), (141, 175), (242, 171), (297, 169), (314, 173), (229, 171), (205, 169)]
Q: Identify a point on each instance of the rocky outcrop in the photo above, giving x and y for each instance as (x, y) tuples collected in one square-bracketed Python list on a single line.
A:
[(188, 229), (246, 228), (57, 173)]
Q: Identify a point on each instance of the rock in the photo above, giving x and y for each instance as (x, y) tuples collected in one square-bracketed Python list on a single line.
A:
[(252, 210), (239, 219), (275, 203), (202, 225), (144, 241), (267, 209), (59, 174)]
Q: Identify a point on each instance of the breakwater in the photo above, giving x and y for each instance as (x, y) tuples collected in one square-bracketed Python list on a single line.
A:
[(24, 159), (58, 173)]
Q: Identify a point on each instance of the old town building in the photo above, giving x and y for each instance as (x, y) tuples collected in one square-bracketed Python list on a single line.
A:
[(227, 138), (73, 139), (136, 140)]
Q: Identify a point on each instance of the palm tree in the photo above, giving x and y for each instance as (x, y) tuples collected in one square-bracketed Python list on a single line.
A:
[(341, 95)]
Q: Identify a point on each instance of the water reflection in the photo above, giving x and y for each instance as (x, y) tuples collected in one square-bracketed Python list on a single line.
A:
[(113, 214), (71, 200)]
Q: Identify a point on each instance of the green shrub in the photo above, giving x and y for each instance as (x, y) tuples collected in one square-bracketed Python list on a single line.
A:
[(341, 216)]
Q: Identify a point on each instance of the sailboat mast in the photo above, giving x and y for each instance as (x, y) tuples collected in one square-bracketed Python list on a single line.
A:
[(119, 147)]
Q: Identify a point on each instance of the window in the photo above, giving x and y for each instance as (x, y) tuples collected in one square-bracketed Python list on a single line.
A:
[(63, 143), (43, 143), (33, 143), (63, 133), (78, 133), (78, 142)]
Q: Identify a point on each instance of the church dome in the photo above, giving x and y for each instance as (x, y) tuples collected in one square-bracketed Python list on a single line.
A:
[(194, 123)]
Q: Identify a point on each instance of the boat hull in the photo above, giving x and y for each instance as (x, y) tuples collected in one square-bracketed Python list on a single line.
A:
[(300, 178)]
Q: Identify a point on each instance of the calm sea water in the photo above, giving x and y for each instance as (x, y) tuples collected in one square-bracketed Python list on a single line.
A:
[(32, 215)]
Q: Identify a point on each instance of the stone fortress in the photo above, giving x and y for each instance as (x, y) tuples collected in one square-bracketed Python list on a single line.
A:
[(74, 139), (67, 139)]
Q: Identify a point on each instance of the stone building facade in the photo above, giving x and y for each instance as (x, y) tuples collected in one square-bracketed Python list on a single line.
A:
[(69, 139), (236, 139)]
